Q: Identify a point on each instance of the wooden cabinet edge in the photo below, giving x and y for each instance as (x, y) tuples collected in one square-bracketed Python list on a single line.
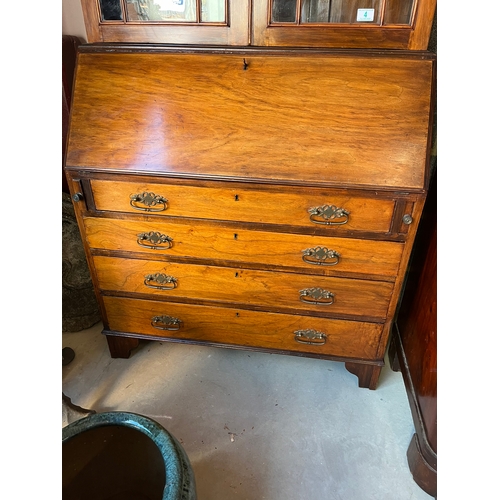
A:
[(422, 459)]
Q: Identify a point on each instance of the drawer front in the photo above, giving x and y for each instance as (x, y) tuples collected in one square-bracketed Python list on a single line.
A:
[(239, 327), (308, 293), (309, 208), (216, 242)]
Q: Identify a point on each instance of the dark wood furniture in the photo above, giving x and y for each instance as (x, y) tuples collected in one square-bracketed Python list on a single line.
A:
[(70, 46), (413, 348), (251, 198)]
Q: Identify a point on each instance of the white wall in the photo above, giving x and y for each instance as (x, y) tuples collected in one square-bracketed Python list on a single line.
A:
[(72, 19)]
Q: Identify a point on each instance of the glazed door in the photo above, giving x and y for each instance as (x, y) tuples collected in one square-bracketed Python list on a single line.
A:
[(394, 24), (385, 24), (189, 22)]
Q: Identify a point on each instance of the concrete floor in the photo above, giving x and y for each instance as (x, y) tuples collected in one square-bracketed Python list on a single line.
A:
[(257, 426)]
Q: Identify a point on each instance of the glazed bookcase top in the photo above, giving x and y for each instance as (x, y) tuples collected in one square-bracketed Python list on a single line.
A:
[(390, 24)]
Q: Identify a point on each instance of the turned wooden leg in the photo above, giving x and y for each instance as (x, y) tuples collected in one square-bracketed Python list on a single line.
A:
[(121, 347), (367, 374)]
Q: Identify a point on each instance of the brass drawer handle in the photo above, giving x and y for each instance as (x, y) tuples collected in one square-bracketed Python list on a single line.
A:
[(150, 200), (325, 214), (317, 296), (313, 337), (164, 282), (321, 256), (153, 240), (166, 323)]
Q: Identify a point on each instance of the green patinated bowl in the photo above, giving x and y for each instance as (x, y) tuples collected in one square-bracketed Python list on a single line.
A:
[(123, 456)]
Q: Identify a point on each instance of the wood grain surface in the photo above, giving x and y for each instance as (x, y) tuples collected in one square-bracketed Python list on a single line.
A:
[(215, 242), (349, 339), (249, 287), (263, 205), (349, 120)]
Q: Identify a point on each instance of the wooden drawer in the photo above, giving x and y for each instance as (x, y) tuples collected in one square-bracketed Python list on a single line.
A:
[(306, 293), (222, 243), (238, 327), (300, 207)]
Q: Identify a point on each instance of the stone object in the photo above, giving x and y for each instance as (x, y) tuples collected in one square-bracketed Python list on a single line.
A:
[(79, 304)]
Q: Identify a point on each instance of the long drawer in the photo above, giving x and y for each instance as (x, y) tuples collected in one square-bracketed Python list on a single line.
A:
[(238, 327), (307, 293), (300, 207), (219, 242)]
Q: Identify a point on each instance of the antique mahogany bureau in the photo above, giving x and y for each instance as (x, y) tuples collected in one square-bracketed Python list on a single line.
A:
[(250, 174)]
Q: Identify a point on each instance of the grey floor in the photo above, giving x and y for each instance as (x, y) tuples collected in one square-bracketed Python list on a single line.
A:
[(257, 426)]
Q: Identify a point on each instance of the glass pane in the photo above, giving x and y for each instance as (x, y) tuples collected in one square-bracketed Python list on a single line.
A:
[(398, 11), (213, 11), (341, 11), (111, 10), (161, 10), (316, 11), (283, 11)]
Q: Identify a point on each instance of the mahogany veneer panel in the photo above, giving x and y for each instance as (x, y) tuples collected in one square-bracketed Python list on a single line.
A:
[(244, 328), (361, 298), (261, 205), (353, 120), (215, 242)]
